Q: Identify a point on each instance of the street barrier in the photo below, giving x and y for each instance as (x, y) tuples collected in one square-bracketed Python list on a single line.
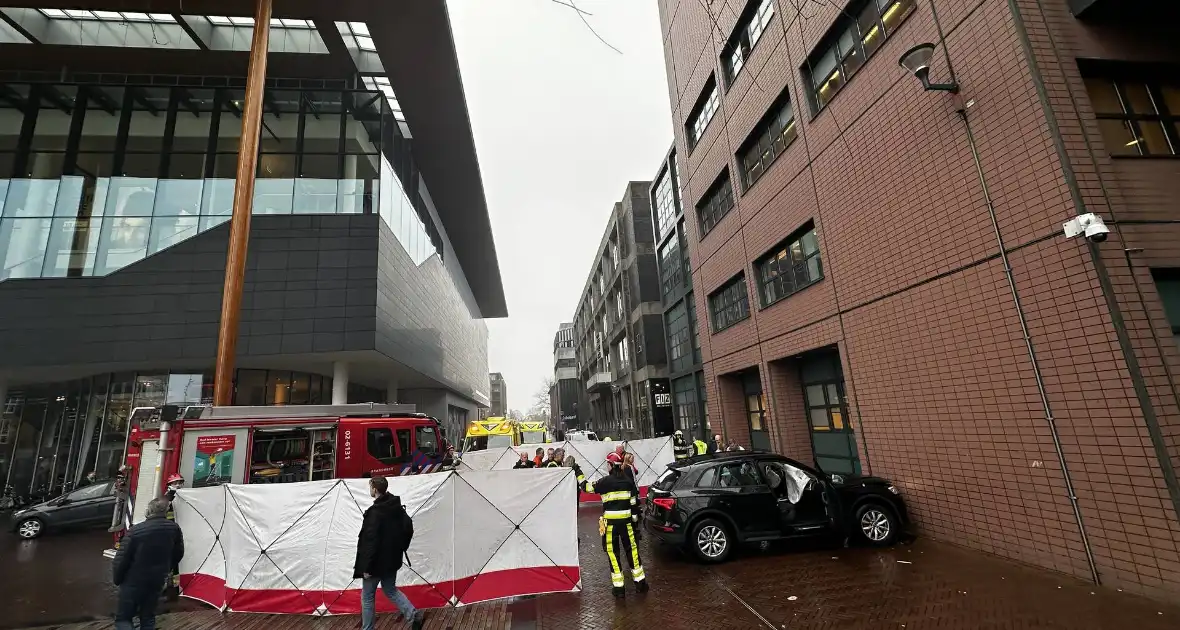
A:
[(290, 548), (652, 457)]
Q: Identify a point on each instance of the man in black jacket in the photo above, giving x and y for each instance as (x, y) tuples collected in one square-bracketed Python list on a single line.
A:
[(145, 558), (384, 538)]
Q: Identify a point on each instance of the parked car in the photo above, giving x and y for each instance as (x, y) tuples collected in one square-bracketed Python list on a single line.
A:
[(710, 503), (90, 506)]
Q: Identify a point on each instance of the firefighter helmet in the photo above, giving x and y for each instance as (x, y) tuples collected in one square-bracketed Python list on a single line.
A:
[(175, 477), (613, 459)]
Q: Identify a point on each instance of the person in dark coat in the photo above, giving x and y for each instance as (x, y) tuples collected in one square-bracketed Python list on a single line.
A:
[(144, 560), (524, 462), (384, 538)]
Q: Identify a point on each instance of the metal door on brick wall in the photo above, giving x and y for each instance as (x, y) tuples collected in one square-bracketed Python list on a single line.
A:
[(832, 439), (756, 410)]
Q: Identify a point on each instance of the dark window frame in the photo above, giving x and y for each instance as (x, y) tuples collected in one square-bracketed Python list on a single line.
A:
[(703, 112), (665, 198), (729, 304), (779, 265), (770, 138), (1120, 79), (671, 267), (679, 332), (745, 37), (849, 50), (716, 203)]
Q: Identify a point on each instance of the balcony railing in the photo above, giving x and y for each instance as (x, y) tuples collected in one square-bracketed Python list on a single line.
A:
[(599, 380)]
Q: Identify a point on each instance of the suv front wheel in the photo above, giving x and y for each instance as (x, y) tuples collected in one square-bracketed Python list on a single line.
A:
[(711, 541), (877, 524)]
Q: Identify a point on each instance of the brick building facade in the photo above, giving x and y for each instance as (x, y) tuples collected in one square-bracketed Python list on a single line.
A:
[(855, 305)]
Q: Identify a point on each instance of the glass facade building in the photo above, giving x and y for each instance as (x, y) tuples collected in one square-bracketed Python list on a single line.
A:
[(97, 176)]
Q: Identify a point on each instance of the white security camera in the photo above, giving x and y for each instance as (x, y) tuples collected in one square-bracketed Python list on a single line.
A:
[(1089, 224)]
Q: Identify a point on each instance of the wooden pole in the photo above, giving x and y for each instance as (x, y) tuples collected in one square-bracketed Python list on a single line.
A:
[(239, 226)]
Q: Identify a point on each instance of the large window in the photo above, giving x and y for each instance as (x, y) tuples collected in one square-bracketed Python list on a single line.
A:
[(702, 112), (671, 268), (774, 133), (666, 198), (791, 266), (109, 174), (1167, 283), (1137, 117), (730, 304), (849, 43), (684, 395), (750, 27), (716, 203), (679, 341)]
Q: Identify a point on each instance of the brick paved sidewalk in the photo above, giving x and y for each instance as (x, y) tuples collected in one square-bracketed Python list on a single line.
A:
[(923, 585)]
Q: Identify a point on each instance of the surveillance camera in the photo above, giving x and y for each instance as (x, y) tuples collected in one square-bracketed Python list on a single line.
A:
[(1090, 225)]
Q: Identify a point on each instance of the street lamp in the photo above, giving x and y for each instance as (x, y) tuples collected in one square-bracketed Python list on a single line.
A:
[(917, 61)]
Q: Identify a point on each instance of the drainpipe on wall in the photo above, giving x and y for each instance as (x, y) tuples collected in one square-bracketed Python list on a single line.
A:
[(961, 109)]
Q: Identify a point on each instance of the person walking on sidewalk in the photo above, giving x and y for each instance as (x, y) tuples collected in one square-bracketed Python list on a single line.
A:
[(385, 536), (144, 560)]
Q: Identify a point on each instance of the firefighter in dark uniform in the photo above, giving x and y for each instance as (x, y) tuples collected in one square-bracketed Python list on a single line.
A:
[(172, 586), (557, 460), (620, 508), (680, 448)]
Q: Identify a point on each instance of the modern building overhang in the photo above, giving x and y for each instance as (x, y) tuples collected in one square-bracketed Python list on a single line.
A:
[(412, 45)]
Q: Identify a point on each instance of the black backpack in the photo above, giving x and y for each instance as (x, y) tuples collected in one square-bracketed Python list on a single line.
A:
[(406, 524)]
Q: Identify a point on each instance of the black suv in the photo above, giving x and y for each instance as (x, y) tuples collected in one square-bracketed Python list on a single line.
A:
[(711, 502)]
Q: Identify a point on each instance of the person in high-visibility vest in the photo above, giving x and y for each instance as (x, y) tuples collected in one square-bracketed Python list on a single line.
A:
[(680, 448), (620, 500), (699, 445)]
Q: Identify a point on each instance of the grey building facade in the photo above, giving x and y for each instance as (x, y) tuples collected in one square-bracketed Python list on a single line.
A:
[(618, 326), (371, 264), (567, 397), (685, 369), (499, 395)]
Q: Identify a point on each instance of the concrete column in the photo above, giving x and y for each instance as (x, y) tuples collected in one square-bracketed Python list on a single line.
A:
[(391, 391), (340, 383)]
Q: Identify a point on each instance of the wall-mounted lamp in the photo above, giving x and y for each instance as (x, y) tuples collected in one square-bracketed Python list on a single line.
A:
[(917, 61)]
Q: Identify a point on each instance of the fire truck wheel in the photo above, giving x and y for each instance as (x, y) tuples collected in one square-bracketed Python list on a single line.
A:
[(30, 528)]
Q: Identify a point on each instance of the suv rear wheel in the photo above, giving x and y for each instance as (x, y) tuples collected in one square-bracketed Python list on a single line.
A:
[(877, 524), (711, 540)]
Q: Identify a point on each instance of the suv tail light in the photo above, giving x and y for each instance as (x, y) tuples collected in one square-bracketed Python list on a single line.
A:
[(665, 502)]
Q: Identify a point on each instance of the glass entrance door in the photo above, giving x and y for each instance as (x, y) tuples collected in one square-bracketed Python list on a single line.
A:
[(832, 438)]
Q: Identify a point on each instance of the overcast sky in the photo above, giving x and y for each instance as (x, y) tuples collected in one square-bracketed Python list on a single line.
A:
[(561, 124)]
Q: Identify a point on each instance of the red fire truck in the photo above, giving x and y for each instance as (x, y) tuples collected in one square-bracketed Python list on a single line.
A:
[(214, 445)]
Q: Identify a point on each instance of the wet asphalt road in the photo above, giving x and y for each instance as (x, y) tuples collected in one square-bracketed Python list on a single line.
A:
[(926, 584)]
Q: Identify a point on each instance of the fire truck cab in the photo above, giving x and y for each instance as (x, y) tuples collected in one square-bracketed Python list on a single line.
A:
[(210, 446)]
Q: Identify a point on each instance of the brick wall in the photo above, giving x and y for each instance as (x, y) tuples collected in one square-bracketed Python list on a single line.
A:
[(940, 385)]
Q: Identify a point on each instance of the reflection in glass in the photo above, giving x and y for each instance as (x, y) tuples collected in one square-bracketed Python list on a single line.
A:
[(151, 390), (23, 242), (113, 436), (72, 249), (273, 196), (168, 231), (316, 196), (123, 241), (31, 198)]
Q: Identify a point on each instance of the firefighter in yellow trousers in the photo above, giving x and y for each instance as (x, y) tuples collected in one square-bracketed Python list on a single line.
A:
[(620, 508)]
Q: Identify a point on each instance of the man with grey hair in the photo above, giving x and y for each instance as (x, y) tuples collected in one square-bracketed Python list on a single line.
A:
[(145, 558)]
